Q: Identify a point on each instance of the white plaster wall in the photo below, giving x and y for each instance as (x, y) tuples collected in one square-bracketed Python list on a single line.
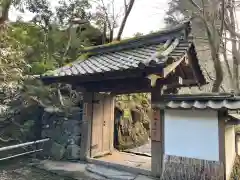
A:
[(192, 133), (230, 150)]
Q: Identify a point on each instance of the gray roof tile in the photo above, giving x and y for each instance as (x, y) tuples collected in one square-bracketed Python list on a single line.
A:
[(214, 102), (208, 104), (116, 61), (150, 50)]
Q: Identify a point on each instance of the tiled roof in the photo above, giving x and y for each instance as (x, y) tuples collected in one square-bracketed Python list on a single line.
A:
[(214, 102), (150, 50), (127, 59)]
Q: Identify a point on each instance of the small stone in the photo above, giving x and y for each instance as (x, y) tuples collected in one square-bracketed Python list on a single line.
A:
[(73, 152)]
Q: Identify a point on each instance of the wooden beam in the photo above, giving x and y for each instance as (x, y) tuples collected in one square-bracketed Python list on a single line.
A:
[(111, 75), (180, 68), (121, 85), (170, 68), (137, 85), (183, 83), (130, 85)]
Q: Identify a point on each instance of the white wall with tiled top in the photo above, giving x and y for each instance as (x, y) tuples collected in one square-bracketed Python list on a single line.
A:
[(192, 134)]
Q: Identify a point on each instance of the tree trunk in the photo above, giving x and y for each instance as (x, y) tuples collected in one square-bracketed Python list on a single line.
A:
[(4, 10), (214, 47), (111, 35), (127, 13), (104, 35), (234, 48), (219, 73)]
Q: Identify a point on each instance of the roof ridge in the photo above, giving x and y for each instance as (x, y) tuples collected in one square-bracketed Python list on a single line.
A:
[(180, 31), (168, 47)]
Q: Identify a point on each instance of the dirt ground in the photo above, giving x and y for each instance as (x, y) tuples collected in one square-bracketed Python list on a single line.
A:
[(128, 159), (19, 170)]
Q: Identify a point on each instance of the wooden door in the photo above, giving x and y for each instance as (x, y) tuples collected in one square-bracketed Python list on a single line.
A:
[(96, 143), (102, 125), (108, 124)]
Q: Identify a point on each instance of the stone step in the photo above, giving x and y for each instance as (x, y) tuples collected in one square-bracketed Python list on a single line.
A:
[(110, 173)]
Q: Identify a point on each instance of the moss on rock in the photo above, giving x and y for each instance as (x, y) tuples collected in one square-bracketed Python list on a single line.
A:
[(133, 129), (236, 169), (85, 56)]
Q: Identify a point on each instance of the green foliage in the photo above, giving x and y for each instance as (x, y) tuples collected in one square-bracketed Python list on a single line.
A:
[(126, 113), (52, 40), (12, 59), (49, 41), (47, 54), (27, 125), (85, 56)]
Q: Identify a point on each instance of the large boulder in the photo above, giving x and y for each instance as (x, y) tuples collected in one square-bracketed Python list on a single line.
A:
[(57, 151)]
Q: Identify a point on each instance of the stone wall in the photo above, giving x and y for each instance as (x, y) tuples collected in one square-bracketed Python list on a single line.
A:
[(65, 134), (183, 168)]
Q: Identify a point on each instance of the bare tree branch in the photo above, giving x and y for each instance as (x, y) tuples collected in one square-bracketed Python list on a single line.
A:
[(196, 6), (229, 28), (224, 46), (128, 11), (104, 8), (222, 17), (125, 6), (214, 43)]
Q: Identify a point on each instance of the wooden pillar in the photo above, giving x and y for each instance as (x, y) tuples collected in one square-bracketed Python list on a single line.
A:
[(112, 106), (86, 125), (157, 135)]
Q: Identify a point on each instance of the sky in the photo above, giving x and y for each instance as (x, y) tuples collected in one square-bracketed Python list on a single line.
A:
[(145, 16)]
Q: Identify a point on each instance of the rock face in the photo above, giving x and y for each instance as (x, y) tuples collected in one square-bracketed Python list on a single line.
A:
[(65, 134), (132, 129), (236, 169)]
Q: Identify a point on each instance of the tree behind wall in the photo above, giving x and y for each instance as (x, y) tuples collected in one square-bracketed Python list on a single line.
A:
[(214, 26)]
